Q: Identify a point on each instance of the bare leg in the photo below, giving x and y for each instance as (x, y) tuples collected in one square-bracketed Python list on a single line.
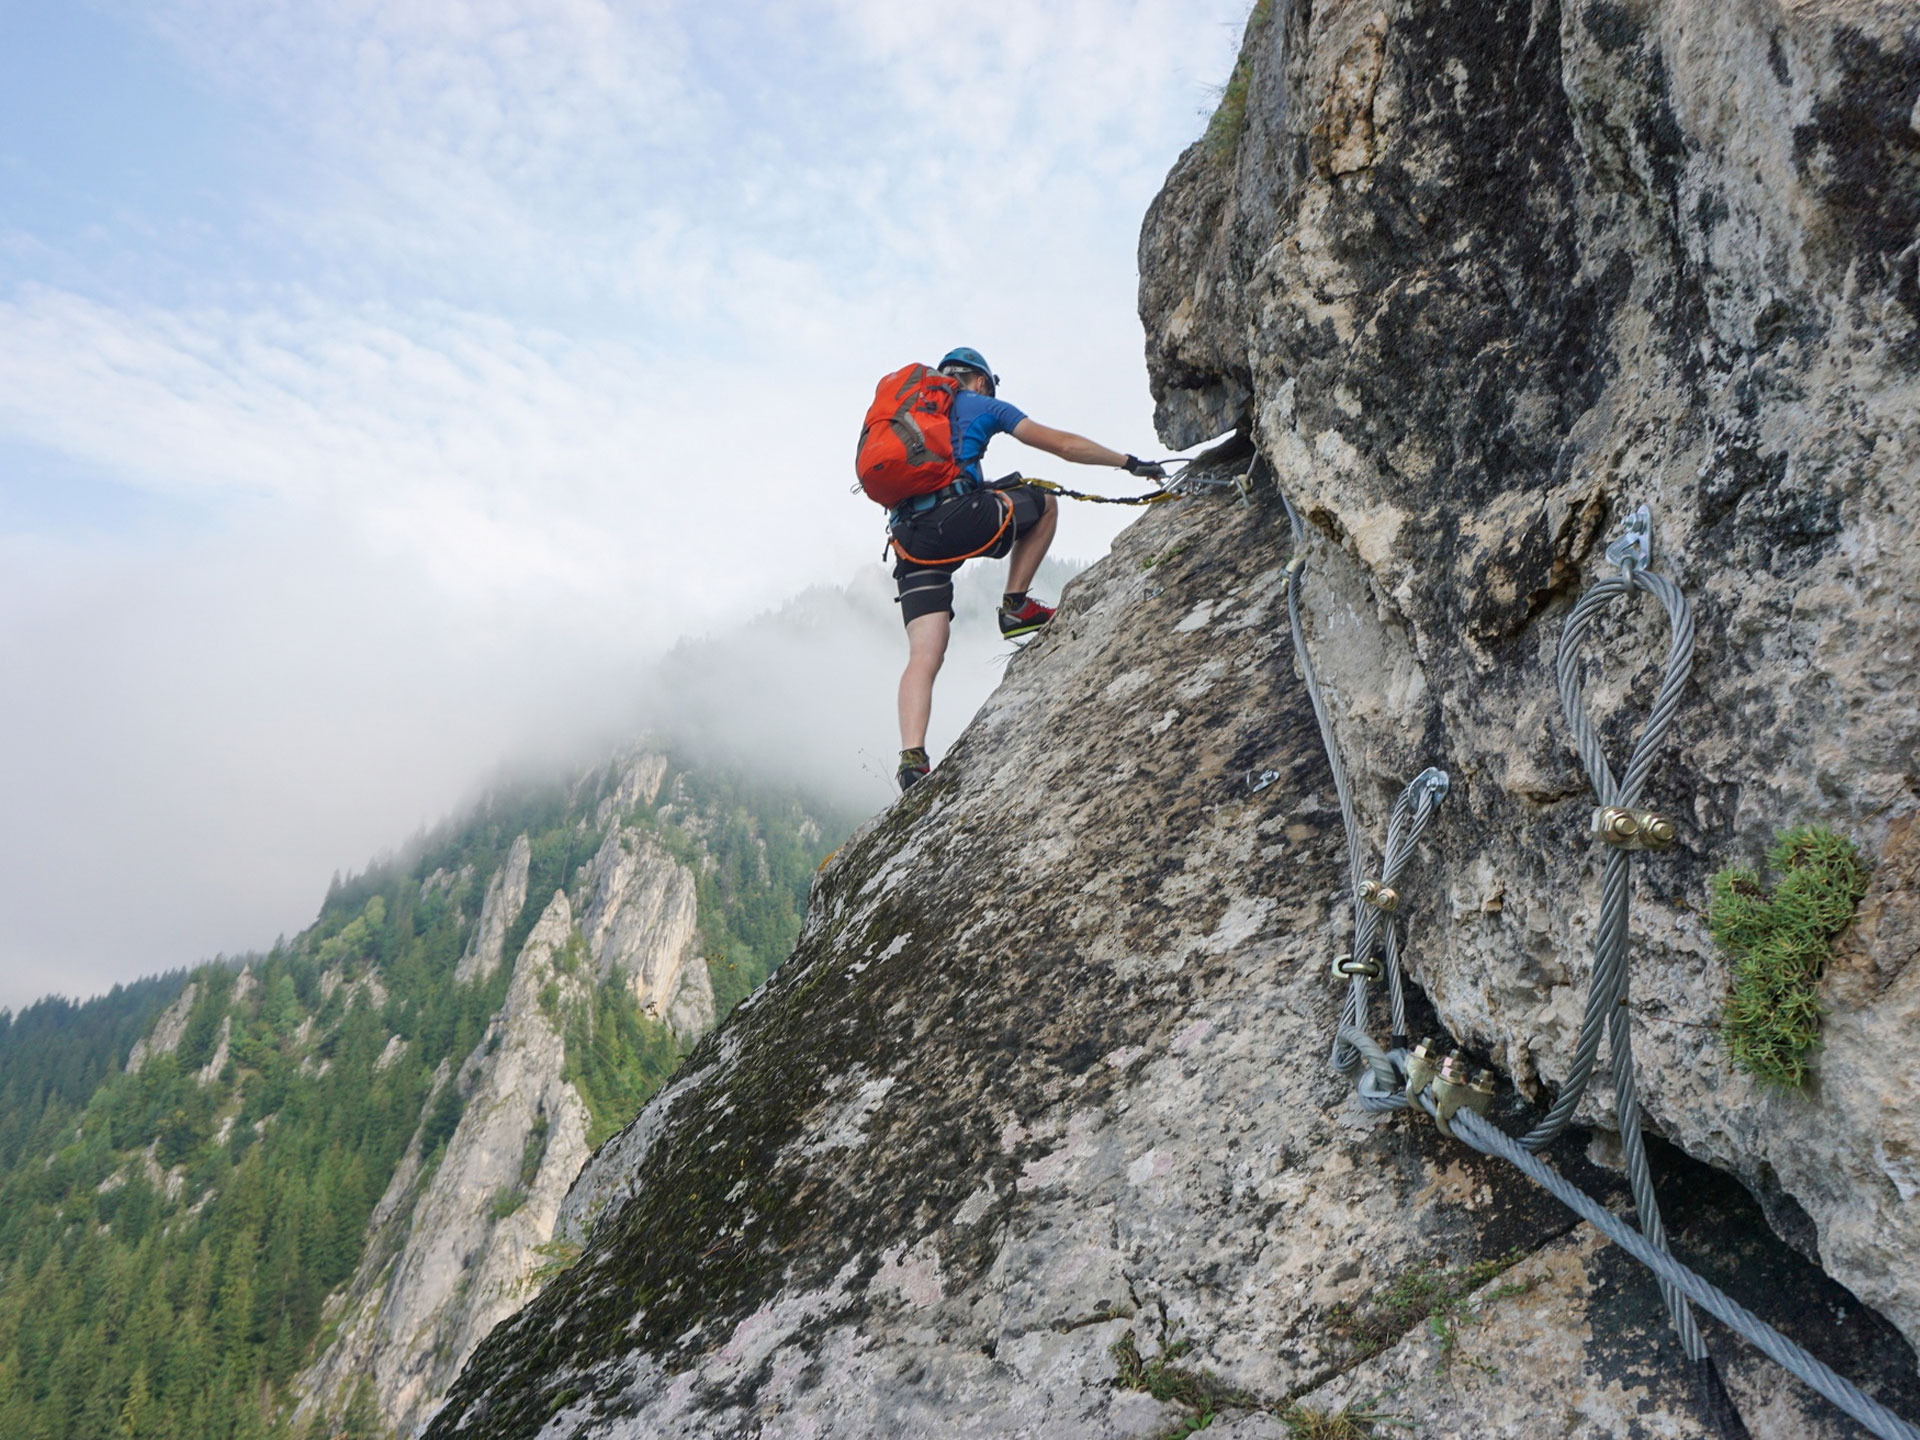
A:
[(1031, 548), (926, 648)]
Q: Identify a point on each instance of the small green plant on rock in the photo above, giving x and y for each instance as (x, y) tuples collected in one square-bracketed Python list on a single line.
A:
[(1778, 944), (1346, 1423), (1230, 119), (1436, 1294), (1200, 1391)]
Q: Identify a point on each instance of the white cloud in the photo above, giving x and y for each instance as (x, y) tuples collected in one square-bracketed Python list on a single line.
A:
[(542, 343)]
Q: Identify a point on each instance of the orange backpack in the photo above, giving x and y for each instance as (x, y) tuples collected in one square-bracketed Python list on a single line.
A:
[(906, 445)]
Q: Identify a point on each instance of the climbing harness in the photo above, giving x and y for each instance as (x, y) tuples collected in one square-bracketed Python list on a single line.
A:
[(1460, 1096), (999, 487), (1006, 519)]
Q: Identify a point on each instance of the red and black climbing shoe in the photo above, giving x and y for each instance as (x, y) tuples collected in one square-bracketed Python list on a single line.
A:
[(914, 766), (1023, 619)]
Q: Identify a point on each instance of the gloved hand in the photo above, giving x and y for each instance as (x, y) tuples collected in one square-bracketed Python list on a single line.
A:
[(1145, 469)]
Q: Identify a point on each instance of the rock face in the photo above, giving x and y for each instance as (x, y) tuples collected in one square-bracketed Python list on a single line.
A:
[(456, 1243), (168, 1031), (1046, 1071), (641, 922), (506, 898), (470, 1239), (1490, 275), (1045, 1077)]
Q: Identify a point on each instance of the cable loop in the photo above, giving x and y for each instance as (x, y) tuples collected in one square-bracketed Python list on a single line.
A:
[(1457, 1095)]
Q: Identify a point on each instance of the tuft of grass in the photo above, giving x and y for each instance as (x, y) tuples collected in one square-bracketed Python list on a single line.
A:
[(1777, 944), (1229, 120), (1204, 1395), (1436, 1294), (1199, 1391), (1346, 1423), (556, 1258)]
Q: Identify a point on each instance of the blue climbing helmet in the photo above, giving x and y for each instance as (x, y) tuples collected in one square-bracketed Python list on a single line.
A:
[(971, 358)]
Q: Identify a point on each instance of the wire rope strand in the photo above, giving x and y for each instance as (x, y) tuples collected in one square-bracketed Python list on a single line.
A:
[(1640, 1179), (1490, 1140)]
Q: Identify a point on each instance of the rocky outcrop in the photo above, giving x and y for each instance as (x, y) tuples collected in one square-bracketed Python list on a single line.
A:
[(640, 923), (456, 1242), (1489, 280), (506, 898), (167, 1033), (690, 1008), (1046, 1074), (222, 1051), (478, 1217), (641, 775)]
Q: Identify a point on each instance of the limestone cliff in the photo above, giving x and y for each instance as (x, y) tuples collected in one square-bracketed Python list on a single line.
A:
[(640, 923), (459, 1240), (471, 1237), (1038, 1112), (506, 898), (167, 1031), (1480, 280)]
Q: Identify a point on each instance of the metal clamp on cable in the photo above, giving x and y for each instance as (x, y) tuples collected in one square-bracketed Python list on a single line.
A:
[(1626, 828), (1383, 898), (1432, 783), (1458, 1086), (1423, 1063)]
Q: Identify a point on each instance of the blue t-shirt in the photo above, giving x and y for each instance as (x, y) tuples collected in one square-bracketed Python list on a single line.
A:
[(976, 420)]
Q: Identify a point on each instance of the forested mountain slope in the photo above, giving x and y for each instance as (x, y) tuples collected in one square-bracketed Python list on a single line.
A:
[(206, 1179)]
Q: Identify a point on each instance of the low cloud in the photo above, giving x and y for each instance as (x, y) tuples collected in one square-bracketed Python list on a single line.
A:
[(508, 349)]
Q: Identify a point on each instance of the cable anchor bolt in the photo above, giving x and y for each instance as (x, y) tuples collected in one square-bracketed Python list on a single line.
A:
[(1383, 898), (1626, 828), (1433, 783), (1347, 968), (1258, 780), (1634, 548), (1459, 1086)]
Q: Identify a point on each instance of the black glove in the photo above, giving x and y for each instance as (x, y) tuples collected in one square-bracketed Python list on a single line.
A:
[(1145, 469)]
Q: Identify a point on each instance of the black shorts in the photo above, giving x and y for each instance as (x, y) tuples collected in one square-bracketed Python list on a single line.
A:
[(958, 528)]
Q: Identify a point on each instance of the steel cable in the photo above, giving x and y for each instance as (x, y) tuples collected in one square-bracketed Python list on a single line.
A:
[(1490, 1140), (1378, 1072)]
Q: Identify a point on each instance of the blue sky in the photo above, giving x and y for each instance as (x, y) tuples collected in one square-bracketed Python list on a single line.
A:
[(383, 384)]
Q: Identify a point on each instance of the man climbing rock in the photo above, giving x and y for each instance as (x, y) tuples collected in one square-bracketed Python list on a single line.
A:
[(934, 534)]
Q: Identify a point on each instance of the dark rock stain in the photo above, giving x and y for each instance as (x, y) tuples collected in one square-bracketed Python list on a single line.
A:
[(1860, 152)]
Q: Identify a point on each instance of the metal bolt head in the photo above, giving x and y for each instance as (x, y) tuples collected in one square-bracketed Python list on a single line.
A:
[(1484, 1082), (1622, 823), (1421, 1064), (1660, 831), (1455, 1069)]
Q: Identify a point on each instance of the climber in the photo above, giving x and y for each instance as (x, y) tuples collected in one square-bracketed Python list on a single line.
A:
[(934, 534)]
